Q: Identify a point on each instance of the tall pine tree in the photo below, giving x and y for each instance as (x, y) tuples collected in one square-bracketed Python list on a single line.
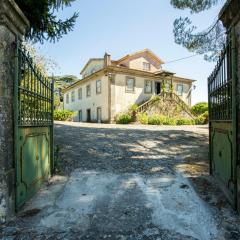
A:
[(210, 41), (45, 25)]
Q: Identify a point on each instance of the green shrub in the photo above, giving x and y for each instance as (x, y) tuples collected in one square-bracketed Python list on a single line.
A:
[(202, 119), (124, 119), (156, 120), (170, 121), (185, 121), (63, 115), (205, 115), (142, 118), (133, 108), (155, 98), (199, 120), (200, 108)]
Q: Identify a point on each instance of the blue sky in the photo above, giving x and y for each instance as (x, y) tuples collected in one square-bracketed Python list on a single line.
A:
[(126, 26)]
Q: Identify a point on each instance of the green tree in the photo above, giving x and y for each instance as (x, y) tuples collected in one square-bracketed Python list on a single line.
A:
[(44, 64), (200, 108), (209, 41), (61, 82), (45, 25)]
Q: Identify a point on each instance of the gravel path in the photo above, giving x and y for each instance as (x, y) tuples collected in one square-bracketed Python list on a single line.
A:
[(128, 183)]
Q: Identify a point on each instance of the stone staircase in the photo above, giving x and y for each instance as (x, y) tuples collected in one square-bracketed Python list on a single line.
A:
[(166, 97)]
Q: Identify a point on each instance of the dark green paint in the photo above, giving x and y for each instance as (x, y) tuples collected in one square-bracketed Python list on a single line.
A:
[(33, 127), (222, 120)]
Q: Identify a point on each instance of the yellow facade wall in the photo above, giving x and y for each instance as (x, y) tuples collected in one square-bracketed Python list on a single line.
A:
[(138, 64)]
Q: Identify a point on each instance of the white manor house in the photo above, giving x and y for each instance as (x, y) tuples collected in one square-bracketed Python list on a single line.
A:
[(109, 87)]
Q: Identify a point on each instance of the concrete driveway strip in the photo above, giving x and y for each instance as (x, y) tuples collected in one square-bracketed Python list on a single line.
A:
[(127, 182)]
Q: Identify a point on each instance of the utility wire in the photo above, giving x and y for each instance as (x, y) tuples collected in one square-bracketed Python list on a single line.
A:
[(180, 59), (215, 22)]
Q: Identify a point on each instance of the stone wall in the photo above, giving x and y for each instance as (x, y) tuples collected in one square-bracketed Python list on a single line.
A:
[(6, 119), (237, 30), (12, 26)]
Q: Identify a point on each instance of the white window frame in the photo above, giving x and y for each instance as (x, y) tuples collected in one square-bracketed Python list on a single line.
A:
[(146, 66), (130, 90), (179, 93), (98, 88), (145, 86), (88, 90), (79, 93), (67, 98), (73, 96)]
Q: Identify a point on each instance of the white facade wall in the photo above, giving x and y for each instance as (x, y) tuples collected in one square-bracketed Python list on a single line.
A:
[(92, 102), (93, 66), (123, 100), (186, 95)]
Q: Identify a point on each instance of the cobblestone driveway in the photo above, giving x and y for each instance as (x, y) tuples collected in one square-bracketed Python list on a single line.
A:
[(128, 183)]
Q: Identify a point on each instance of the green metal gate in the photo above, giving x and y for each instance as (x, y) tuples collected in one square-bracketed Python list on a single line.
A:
[(33, 127), (222, 120)]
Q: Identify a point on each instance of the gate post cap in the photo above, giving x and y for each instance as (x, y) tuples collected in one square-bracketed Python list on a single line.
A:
[(13, 18)]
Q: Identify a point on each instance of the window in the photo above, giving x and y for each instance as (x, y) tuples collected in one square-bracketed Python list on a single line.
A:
[(99, 115), (179, 89), (130, 84), (67, 98), (148, 86), (79, 93), (146, 66), (98, 86), (88, 90), (73, 96), (93, 70)]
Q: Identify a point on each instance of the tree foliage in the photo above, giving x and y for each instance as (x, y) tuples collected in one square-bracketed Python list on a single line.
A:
[(45, 25), (44, 64), (61, 82), (200, 108), (195, 6), (210, 41)]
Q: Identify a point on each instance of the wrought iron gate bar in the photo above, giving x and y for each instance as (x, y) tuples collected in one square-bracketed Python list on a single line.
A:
[(220, 87), (35, 93)]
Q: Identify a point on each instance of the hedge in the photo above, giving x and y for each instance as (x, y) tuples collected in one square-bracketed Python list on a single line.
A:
[(63, 115), (143, 118), (124, 119)]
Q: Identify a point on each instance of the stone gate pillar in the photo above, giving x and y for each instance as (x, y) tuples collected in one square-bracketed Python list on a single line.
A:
[(13, 25)]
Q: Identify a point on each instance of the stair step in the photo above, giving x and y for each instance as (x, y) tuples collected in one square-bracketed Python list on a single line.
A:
[(170, 96)]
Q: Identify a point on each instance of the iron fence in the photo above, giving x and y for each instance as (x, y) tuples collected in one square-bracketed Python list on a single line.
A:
[(220, 87), (35, 92)]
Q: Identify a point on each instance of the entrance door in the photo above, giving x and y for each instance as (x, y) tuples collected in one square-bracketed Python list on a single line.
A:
[(80, 116), (88, 115), (157, 88), (99, 115)]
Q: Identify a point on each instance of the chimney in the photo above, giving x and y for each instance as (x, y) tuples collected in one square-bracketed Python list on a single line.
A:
[(107, 60)]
